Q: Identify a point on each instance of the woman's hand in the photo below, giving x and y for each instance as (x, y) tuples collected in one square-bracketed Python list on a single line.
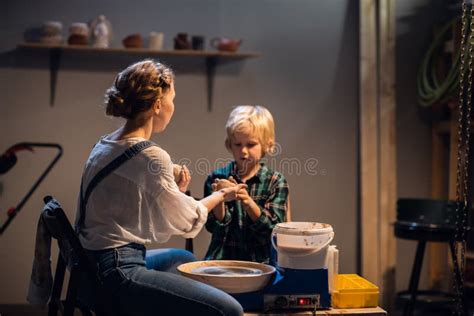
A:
[(183, 179), (218, 198), (221, 184), (230, 193)]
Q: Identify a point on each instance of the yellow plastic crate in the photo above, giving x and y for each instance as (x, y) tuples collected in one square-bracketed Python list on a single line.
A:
[(353, 291)]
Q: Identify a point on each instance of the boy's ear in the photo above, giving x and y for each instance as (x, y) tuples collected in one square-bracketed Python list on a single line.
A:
[(270, 146)]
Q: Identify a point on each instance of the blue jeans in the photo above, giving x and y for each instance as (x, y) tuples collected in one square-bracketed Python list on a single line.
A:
[(145, 282)]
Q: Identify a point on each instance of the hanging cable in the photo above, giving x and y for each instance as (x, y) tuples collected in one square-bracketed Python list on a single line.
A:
[(431, 88)]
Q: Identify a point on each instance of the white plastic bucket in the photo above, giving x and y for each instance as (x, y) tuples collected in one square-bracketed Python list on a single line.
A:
[(302, 245)]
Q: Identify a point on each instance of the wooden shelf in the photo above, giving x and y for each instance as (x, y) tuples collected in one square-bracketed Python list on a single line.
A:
[(212, 59), (139, 51)]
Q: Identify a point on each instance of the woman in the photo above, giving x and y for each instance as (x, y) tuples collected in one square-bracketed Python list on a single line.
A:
[(133, 200)]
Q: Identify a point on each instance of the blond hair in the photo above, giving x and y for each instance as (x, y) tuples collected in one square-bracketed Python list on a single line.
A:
[(260, 121), (137, 88)]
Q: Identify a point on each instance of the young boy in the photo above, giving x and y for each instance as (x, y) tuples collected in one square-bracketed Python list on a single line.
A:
[(241, 229)]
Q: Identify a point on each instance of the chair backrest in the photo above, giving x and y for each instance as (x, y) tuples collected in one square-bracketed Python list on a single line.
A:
[(60, 228), (72, 255)]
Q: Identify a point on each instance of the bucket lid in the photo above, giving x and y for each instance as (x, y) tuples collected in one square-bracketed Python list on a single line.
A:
[(302, 228)]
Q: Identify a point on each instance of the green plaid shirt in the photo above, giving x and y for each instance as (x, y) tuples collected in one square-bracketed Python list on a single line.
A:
[(237, 237)]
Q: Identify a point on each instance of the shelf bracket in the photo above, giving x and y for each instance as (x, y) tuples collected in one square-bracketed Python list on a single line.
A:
[(54, 62), (211, 63), (212, 59)]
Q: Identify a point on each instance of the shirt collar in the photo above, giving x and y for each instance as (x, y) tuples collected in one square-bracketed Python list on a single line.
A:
[(258, 177)]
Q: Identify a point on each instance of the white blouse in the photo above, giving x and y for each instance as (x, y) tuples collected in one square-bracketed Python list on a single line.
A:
[(138, 202)]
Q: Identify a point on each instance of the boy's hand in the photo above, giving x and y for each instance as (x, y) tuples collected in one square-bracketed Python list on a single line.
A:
[(244, 197), (183, 179), (248, 204)]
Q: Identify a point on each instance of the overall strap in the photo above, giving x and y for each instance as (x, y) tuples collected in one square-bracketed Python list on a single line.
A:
[(114, 164)]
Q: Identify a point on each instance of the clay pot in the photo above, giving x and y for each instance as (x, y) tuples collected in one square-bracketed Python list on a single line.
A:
[(181, 41), (133, 41)]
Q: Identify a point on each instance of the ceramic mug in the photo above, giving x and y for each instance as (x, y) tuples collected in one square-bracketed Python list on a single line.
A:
[(155, 41), (181, 41), (197, 42)]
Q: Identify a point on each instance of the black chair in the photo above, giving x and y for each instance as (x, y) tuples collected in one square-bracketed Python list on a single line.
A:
[(426, 220), (71, 254)]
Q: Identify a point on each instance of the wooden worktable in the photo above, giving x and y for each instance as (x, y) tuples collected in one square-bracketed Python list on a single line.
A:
[(371, 311)]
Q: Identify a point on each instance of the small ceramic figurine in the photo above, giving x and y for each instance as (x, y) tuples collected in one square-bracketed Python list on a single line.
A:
[(101, 32)]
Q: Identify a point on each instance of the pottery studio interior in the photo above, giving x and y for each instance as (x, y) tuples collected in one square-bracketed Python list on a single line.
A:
[(221, 157)]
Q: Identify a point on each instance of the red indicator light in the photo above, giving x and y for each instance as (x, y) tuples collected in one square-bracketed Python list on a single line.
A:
[(304, 301)]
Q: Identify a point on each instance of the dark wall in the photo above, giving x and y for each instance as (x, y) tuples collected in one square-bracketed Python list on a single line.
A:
[(307, 77)]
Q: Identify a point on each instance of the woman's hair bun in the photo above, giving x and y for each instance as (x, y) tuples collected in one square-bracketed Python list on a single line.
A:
[(115, 104)]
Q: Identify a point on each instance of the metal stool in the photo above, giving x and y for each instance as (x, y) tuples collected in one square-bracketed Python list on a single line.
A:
[(426, 220)]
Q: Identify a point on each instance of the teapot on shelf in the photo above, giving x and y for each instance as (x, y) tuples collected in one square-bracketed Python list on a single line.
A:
[(226, 44)]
